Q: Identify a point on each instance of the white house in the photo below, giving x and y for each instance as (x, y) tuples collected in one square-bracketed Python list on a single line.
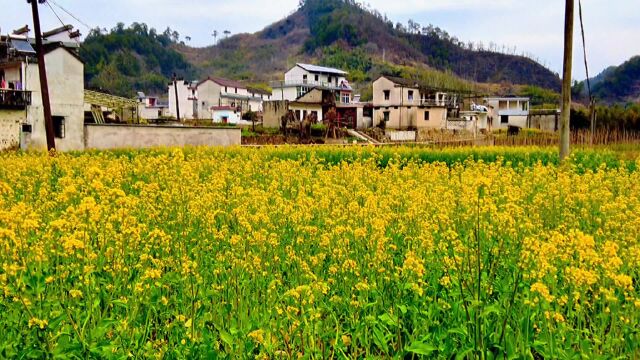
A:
[(225, 115), (21, 109), (151, 107), (303, 78), (64, 34), (196, 99), (508, 111), (187, 92)]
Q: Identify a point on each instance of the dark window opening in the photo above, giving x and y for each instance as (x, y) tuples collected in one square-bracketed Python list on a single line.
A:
[(27, 128), (59, 127), (504, 119), (317, 78), (426, 116), (410, 95), (386, 115), (387, 94)]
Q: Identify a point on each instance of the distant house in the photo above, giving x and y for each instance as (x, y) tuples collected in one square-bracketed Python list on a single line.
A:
[(508, 111), (21, 109), (151, 107), (303, 78), (225, 115), (187, 103), (406, 104), (197, 99)]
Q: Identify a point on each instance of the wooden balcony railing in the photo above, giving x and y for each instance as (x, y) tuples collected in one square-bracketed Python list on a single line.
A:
[(14, 99)]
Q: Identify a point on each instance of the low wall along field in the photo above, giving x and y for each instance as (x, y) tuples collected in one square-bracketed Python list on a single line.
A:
[(104, 137), (322, 252)]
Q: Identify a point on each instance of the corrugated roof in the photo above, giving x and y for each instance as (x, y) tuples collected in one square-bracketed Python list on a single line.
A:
[(322, 69)]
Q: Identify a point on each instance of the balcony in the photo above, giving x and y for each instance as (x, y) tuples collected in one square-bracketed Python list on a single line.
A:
[(14, 99), (309, 83), (450, 103)]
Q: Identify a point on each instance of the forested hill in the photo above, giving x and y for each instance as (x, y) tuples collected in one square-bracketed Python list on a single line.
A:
[(620, 84), (127, 60), (340, 33)]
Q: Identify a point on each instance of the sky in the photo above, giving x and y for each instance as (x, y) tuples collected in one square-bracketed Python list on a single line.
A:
[(536, 27)]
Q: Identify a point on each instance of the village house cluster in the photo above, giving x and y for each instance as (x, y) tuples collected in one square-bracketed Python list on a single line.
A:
[(306, 92)]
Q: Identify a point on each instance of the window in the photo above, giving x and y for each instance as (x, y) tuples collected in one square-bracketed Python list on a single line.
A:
[(236, 90), (304, 114), (387, 94), (410, 95), (59, 127), (525, 106), (304, 79), (386, 115), (346, 98), (317, 78), (225, 89), (330, 78), (426, 115), (504, 119), (315, 113), (301, 90)]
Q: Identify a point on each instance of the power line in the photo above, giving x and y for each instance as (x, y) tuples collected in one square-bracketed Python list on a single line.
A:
[(70, 14), (61, 22), (584, 48)]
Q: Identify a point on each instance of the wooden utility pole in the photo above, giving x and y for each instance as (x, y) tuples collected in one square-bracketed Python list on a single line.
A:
[(175, 87), (565, 131), (44, 85)]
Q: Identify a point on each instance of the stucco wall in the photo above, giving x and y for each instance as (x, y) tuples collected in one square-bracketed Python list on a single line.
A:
[(273, 111), (397, 95), (10, 121), (65, 74), (105, 137)]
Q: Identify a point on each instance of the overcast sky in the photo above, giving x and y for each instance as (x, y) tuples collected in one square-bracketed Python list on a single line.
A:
[(612, 26)]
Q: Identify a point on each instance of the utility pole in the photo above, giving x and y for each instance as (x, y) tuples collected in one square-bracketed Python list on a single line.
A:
[(565, 131), (44, 85), (175, 87)]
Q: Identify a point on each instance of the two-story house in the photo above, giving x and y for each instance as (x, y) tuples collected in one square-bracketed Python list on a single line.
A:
[(197, 99), (404, 104), (303, 78), (21, 109), (508, 111)]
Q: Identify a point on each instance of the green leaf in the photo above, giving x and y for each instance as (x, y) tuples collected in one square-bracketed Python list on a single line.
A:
[(420, 348), (226, 337)]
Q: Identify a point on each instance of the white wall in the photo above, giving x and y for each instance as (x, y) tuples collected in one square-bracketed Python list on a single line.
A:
[(105, 137), (65, 75), (186, 105)]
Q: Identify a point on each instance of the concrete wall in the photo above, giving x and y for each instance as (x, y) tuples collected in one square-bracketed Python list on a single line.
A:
[(544, 122), (10, 121), (208, 96), (105, 137), (65, 74), (273, 111), (287, 93), (186, 105), (401, 135), (397, 95)]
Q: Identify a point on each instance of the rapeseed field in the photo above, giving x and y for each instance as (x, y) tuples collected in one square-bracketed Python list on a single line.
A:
[(319, 253)]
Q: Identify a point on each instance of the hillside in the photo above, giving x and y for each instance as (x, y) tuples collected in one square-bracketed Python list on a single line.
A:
[(344, 33), (130, 59), (620, 84), (338, 33)]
